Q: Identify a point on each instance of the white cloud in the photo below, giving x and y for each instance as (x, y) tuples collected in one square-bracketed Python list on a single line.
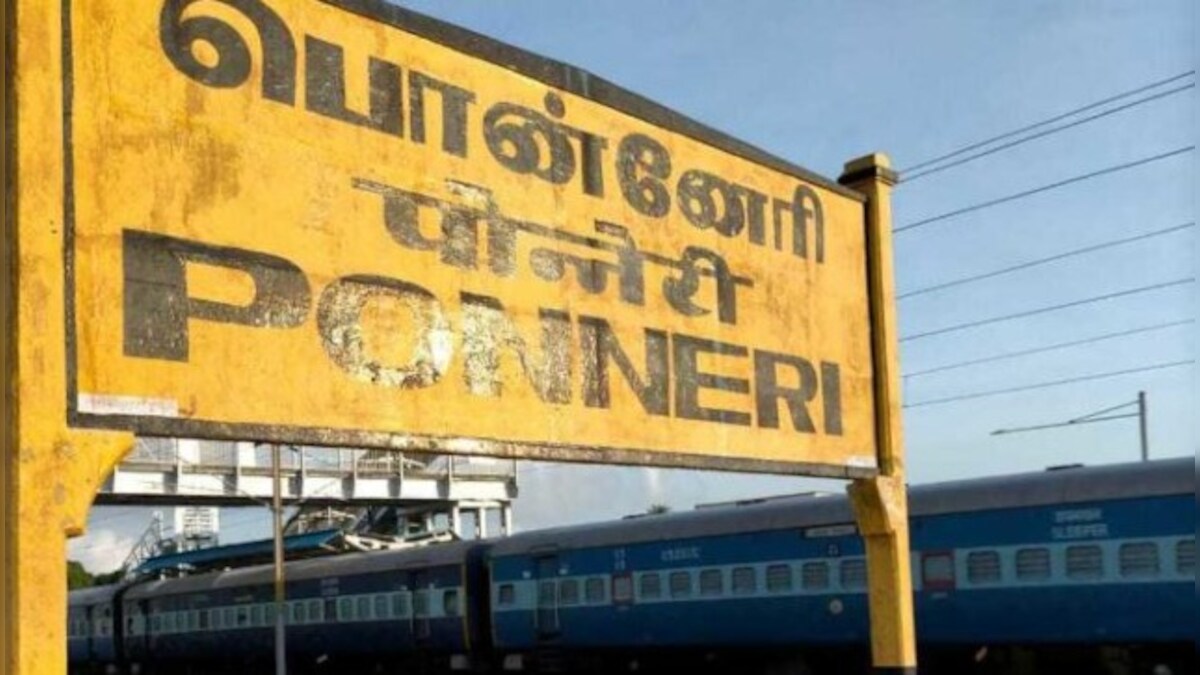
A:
[(101, 551)]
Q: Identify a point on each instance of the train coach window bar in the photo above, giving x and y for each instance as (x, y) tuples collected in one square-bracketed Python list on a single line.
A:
[(779, 578), (1033, 564), (814, 576), (1139, 559), (622, 589), (362, 606), (450, 603), (650, 586), (712, 583), (853, 573), (568, 592), (382, 607), (507, 595), (680, 584), (299, 614), (593, 591), (1185, 557), (745, 581), (1085, 562), (983, 567)]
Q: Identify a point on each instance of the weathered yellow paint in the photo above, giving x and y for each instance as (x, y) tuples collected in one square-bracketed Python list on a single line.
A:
[(880, 503), (50, 473), (158, 151)]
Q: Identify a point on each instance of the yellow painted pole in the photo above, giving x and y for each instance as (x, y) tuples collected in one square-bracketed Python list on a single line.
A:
[(881, 504), (50, 474)]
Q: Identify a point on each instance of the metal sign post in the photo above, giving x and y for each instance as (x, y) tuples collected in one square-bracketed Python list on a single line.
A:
[(343, 223), (280, 582)]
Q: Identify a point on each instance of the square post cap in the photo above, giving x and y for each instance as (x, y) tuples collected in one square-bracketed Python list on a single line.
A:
[(875, 166)]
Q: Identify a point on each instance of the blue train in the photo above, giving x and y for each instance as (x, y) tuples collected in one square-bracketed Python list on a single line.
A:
[(1075, 570)]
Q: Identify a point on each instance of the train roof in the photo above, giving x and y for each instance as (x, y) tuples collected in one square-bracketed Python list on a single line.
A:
[(1061, 486), (92, 596), (453, 553)]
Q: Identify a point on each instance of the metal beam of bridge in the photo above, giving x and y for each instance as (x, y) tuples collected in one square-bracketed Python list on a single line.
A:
[(180, 471)]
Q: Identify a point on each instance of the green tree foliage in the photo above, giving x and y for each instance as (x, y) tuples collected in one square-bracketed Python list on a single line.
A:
[(110, 578), (77, 576)]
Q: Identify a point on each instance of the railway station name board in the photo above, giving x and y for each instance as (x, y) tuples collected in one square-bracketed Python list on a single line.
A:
[(342, 223)]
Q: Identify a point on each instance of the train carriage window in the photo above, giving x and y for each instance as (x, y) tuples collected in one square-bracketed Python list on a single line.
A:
[(202, 619), (362, 608), (1033, 564), (256, 615), (382, 607), (814, 576), (779, 578), (421, 604), (270, 613), (399, 606), (745, 581), (1185, 556), (983, 567), (450, 602), (1139, 559), (228, 618), (299, 613), (622, 585), (568, 592), (680, 584), (650, 586), (243, 616), (215, 619), (937, 571), (507, 595), (169, 623), (316, 611), (853, 573), (156, 624), (594, 591), (345, 611), (1085, 562), (712, 582)]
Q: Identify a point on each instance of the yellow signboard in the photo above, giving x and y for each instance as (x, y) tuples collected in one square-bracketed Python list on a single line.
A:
[(335, 223)]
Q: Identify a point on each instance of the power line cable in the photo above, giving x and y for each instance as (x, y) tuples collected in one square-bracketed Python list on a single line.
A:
[(905, 178), (1056, 118), (1043, 261), (1048, 348), (1052, 383), (1045, 188), (1044, 310)]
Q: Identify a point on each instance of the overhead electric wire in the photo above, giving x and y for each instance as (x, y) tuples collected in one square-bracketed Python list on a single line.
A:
[(1043, 261), (1056, 118), (1045, 188), (905, 178), (1048, 348), (1047, 385), (1045, 310)]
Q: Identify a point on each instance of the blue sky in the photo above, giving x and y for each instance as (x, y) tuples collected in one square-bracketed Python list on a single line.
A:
[(819, 83)]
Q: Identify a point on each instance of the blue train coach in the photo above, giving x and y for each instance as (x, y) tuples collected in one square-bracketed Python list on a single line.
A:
[(359, 611), (1053, 564)]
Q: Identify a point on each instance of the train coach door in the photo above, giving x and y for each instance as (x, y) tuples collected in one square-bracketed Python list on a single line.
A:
[(547, 597), (421, 599)]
